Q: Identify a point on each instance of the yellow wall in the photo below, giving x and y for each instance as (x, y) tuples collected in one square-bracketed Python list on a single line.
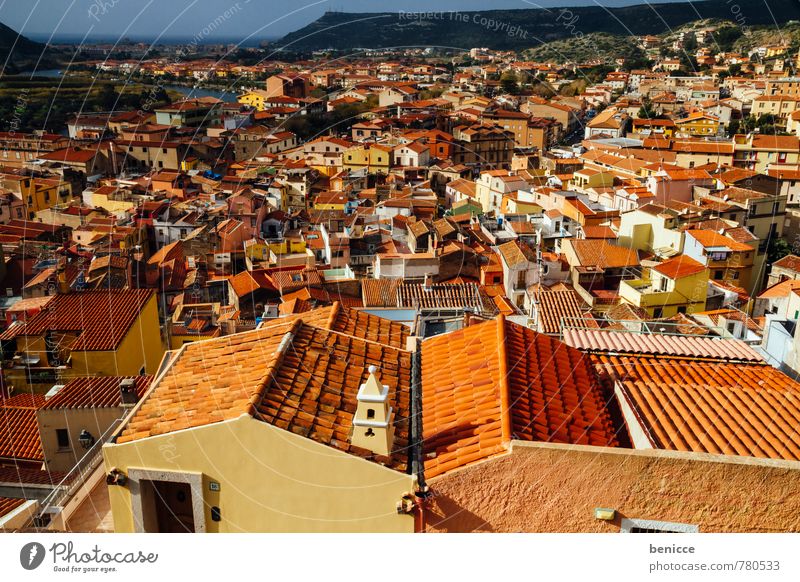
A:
[(688, 292), (374, 159), (142, 346), (270, 480), (255, 100), (102, 201)]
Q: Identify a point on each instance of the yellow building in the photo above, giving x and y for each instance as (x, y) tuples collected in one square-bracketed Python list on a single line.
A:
[(293, 427), (372, 157), (330, 201), (678, 285), (111, 332), (255, 98), (698, 125), (37, 194), (258, 249)]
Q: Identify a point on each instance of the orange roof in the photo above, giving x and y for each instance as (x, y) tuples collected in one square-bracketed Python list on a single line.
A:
[(556, 306), (710, 238), (601, 253), (9, 504), (19, 431), (496, 381), (790, 262), (352, 322), (516, 254), (781, 289), (102, 318), (295, 376), (95, 392), (679, 267), (713, 407)]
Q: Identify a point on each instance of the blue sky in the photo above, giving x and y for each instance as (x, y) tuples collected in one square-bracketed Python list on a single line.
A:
[(147, 19)]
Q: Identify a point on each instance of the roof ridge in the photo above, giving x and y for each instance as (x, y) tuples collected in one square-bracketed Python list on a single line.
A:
[(505, 393), (335, 308), (272, 368)]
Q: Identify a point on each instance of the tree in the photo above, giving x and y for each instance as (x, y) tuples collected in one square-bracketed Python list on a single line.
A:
[(107, 97), (777, 249), (646, 111), (509, 83)]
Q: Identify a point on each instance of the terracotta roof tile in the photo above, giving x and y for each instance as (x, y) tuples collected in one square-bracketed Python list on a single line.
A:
[(19, 433), (710, 406), (95, 392), (496, 381), (601, 253), (556, 306), (9, 504), (599, 341), (103, 318), (295, 376), (352, 322), (679, 267)]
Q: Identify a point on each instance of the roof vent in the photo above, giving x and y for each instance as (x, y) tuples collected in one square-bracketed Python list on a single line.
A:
[(127, 388), (373, 428)]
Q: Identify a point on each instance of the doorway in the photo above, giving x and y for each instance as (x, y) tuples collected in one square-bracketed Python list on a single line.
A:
[(172, 506)]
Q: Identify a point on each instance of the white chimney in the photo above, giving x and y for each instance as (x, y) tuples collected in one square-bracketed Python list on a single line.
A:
[(373, 428)]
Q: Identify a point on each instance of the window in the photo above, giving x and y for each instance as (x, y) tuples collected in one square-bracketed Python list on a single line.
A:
[(682, 309), (658, 312), (731, 327), (62, 436), (718, 274), (652, 526)]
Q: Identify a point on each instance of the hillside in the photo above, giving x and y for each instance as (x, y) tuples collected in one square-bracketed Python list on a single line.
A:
[(24, 52), (596, 45), (519, 29)]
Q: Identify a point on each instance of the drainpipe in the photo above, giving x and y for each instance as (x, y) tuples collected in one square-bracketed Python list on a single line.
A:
[(415, 448)]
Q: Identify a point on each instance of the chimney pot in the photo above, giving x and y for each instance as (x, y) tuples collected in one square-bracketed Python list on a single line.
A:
[(128, 391)]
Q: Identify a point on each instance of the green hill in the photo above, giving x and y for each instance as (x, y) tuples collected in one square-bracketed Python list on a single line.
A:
[(520, 29)]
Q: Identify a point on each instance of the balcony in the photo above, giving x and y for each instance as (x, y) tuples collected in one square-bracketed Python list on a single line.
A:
[(642, 293)]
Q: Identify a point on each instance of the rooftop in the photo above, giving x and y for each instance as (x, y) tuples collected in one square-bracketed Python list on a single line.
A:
[(496, 381), (102, 319)]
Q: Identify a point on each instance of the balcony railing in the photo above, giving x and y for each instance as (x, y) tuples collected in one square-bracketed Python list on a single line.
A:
[(73, 480)]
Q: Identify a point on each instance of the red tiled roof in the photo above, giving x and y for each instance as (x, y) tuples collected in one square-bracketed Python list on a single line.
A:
[(19, 433), (556, 306), (601, 253), (710, 406), (9, 504), (791, 262), (624, 342), (679, 267), (710, 238), (292, 375), (102, 318), (496, 381), (18, 474), (352, 322), (95, 392)]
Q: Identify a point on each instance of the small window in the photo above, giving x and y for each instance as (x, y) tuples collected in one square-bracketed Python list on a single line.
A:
[(370, 413), (62, 436)]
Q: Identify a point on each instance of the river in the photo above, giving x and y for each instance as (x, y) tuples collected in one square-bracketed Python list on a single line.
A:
[(228, 97)]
